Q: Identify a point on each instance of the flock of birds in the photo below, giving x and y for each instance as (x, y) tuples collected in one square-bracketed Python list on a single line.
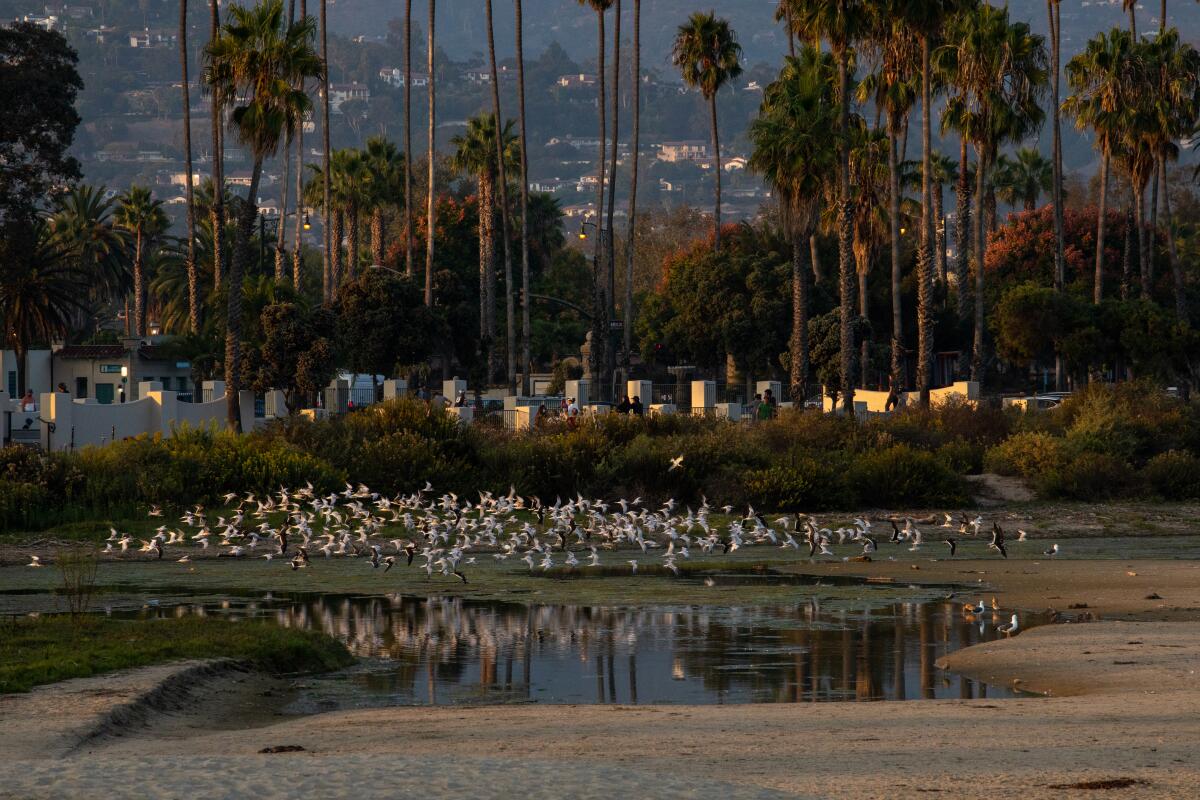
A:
[(448, 533)]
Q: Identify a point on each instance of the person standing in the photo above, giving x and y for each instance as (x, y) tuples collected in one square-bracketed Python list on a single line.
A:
[(624, 407), (637, 407)]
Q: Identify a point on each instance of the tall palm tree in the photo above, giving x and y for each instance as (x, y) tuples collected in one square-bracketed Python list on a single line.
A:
[(430, 200), (871, 178), (82, 226), (893, 89), (1099, 81), (301, 215), (475, 155), (943, 171), (139, 213), (795, 154), (408, 205), (1021, 181), (217, 208), (354, 172), (630, 240), (1001, 68), (1053, 11), (498, 152), (189, 199), (708, 56), (842, 23), (386, 165), (258, 61), (326, 154), (598, 354), (41, 291), (526, 332)]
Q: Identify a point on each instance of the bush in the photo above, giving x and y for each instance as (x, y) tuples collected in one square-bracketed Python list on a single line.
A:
[(1027, 455), (1090, 476), (1173, 475), (806, 484), (961, 457), (901, 476)]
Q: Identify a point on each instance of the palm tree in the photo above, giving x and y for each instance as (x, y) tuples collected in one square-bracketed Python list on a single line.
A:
[(1053, 11), (82, 227), (430, 210), (597, 355), (143, 217), (301, 216), (193, 288), (943, 171), (258, 61), (352, 179), (708, 56), (326, 154), (526, 332), (795, 154), (1098, 79), (871, 176), (408, 205), (1001, 69), (475, 155), (498, 153), (893, 90), (41, 290), (386, 165), (841, 22), (1022, 180), (217, 208), (633, 179)]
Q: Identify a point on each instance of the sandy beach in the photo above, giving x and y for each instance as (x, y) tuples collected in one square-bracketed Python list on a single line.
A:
[(1121, 718)]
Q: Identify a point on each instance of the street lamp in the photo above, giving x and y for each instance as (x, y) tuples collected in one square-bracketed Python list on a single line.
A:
[(307, 223)]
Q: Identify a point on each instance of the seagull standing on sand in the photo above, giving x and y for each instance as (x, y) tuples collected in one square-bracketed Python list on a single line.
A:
[(1052, 552), (1009, 629)]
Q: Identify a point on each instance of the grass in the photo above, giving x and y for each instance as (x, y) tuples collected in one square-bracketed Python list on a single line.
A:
[(35, 651)]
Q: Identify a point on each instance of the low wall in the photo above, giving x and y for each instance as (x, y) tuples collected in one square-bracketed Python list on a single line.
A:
[(67, 425), (875, 402)]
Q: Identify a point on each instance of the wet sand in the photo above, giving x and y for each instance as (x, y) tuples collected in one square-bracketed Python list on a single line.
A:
[(1122, 717)]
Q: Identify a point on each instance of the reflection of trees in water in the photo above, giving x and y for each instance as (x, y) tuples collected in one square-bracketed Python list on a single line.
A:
[(792, 653)]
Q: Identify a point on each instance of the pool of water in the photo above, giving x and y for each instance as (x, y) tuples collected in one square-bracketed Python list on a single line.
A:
[(433, 651)]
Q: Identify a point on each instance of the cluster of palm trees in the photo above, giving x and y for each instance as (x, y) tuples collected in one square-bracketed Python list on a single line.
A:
[(833, 170)]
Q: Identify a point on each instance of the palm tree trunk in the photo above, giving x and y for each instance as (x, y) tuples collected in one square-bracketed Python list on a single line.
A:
[(1152, 227), (218, 164), (1181, 309), (377, 234), (139, 286), (925, 257), (610, 266), (408, 151), (510, 318), (633, 175), (1098, 281), (189, 198), (1133, 20), (526, 334), (487, 273), (981, 170), (799, 339), (337, 234), (1060, 263), (430, 206), (845, 225), (814, 254), (716, 140), (897, 364), (1139, 220), (327, 205), (962, 226), (281, 258), (1127, 260), (596, 355), (862, 266), (791, 38), (233, 322), (297, 237), (939, 215)]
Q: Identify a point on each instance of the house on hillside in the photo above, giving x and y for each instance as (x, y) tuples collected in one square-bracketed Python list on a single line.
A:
[(676, 152)]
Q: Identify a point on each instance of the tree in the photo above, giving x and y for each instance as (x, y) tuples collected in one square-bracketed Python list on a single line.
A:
[(475, 155), (386, 166), (217, 206), (1097, 77), (842, 23), (430, 209), (631, 233), (143, 217), (41, 289), (38, 86), (526, 328), (326, 155), (382, 323), (82, 227), (708, 56), (1022, 180), (258, 61), (408, 151), (296, 355), (1001, 69), (189, 199), (796, 156), (502, 171), (871, 178)]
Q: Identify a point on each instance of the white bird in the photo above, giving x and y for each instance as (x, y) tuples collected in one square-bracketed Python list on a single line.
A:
[(34, 561), (676, 463), (1021, 535), (1009, 629), (1052, 552), (633, 565)]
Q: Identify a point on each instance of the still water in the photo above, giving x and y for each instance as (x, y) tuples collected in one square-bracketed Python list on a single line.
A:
[(419, 651)]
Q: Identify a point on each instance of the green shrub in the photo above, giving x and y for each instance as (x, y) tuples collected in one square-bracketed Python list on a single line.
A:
[(1027, 455), (901, 476), (961, 456), (1089, 476), (805, 484), (21, 503), (1173, 475)]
